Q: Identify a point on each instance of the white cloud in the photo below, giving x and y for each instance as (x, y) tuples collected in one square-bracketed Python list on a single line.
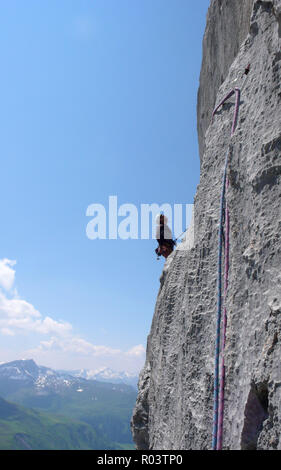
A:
[(18, 314), (61, 347), (7, 273), (76, 353), (137, 351), (74, 344), (7, 332), (48, 326)]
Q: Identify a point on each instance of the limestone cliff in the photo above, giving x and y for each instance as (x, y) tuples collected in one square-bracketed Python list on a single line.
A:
[(174, 407)]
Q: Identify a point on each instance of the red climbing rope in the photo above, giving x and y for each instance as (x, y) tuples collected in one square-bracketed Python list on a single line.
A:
[(219, 379), (224, 320)]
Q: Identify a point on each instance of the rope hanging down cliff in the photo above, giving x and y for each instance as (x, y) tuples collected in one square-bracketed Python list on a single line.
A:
[(219, 378)]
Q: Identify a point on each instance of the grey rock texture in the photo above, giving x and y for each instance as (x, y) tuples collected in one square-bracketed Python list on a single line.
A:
[(174, 408), (228, 23)]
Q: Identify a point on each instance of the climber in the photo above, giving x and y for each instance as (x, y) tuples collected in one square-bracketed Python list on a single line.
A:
[(164, 237)]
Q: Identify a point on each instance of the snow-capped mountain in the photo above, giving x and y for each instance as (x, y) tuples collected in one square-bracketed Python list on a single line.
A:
[(44, 379), (105, 407), (39, 377), (105, 374)]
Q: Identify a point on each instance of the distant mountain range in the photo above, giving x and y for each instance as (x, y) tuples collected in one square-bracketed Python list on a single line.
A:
[(63, 402), (27, 369), (105, 374), (27, 373)]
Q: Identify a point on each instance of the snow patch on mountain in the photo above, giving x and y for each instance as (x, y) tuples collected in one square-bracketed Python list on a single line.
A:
[(44, 378), (105, 374)]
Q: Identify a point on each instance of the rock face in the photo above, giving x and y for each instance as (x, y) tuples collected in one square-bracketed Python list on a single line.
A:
[(174, 408), (228, 23)]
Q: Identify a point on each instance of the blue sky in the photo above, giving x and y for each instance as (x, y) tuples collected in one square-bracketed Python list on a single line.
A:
[(98, 99)]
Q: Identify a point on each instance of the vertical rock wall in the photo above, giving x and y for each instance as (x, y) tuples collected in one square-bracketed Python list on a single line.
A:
[(174, 407), (228, 24)]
